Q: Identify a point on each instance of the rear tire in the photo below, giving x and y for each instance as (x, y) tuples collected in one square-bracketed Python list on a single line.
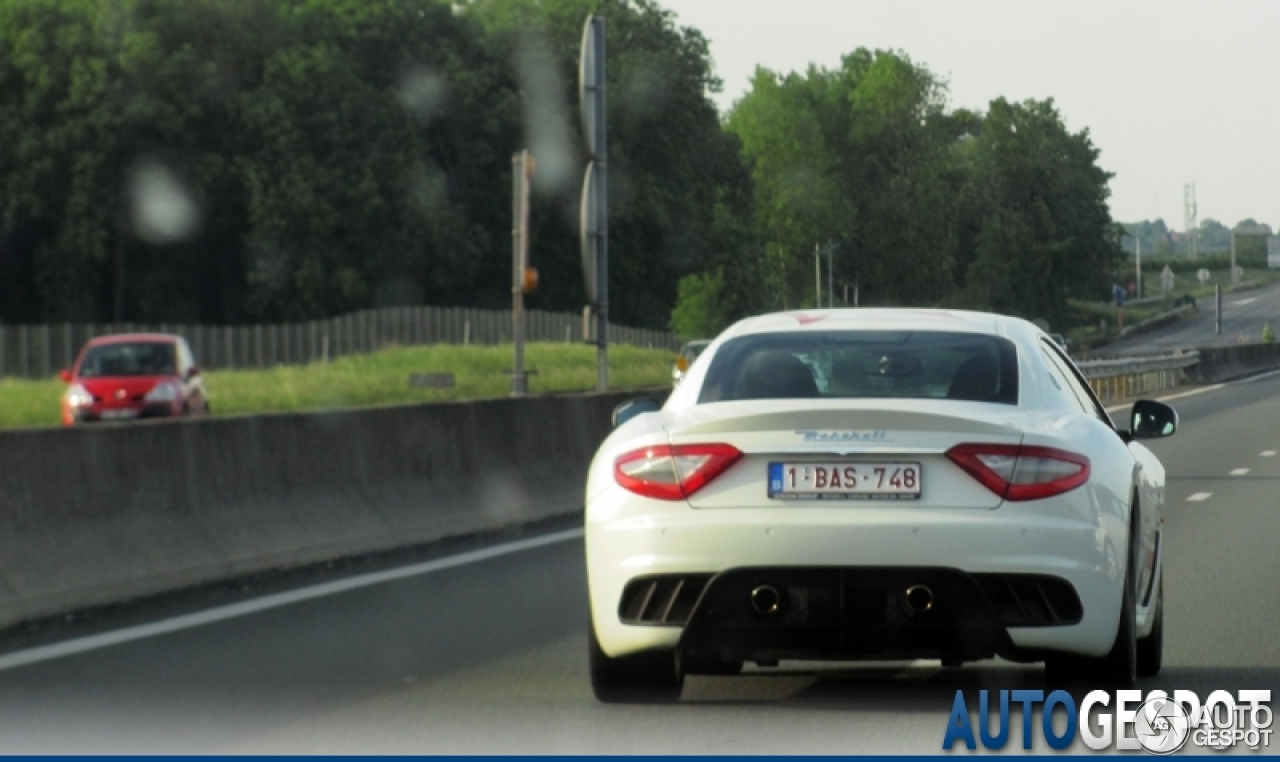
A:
[(1151, 648), (649, 677)]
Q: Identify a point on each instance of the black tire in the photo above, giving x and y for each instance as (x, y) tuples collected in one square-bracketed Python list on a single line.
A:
[(1151, 648), (644, 678)]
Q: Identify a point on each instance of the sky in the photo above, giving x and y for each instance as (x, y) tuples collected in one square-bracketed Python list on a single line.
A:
[(1172, 92)]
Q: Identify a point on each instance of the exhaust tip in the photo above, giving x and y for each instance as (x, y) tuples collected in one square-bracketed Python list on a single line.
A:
[(766, 599), (917, 599)]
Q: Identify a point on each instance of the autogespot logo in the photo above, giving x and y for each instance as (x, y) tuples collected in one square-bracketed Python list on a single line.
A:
[(1127, 721), (1162, 725)]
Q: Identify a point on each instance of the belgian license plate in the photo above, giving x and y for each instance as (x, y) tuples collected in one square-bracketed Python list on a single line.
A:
[(115, 415), (844, 481)]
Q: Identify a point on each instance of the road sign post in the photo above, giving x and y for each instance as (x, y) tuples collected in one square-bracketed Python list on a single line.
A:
[(595, 188), (1217, 309), (521, 169)]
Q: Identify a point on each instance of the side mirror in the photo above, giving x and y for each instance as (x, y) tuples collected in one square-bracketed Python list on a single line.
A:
[(65, 375), (1152, 420), (193, 371), (628, 410)]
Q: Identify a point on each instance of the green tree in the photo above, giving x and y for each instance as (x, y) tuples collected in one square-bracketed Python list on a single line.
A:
[(701, 310), (1036, 205), (859, 156)]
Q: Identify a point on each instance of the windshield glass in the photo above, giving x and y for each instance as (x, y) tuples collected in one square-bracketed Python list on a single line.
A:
[(694, 349), (853, 364), (134, 359)]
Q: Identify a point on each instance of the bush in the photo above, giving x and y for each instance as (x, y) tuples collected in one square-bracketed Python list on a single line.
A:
[(1268, 335)]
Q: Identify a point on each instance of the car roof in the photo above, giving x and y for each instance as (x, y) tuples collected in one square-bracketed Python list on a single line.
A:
[(126, 338), (879, 319)]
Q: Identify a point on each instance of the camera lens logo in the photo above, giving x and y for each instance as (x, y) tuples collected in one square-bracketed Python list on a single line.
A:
[(1162, 726)]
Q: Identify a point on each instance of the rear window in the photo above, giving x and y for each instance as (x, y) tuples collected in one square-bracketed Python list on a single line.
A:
[(132, 359), (864, 364)]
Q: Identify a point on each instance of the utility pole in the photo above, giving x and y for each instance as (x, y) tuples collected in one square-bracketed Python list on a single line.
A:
[(817, 276), (831, 284), (1189, 209), (1233, 258), (1137, 290)]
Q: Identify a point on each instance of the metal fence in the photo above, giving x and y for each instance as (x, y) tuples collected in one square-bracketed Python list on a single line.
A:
[(40, 351)]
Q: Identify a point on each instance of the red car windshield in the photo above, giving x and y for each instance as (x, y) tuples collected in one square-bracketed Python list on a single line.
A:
[(131, 359)]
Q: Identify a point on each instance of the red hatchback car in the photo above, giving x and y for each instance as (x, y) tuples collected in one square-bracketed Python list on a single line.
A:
[(137, 375)]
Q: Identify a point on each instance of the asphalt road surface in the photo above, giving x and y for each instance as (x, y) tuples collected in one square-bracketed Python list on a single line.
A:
[(474, 654), (1243, 314)]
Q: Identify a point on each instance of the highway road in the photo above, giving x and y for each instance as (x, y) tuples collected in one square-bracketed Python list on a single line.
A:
[(486, 652), (1243, 314)]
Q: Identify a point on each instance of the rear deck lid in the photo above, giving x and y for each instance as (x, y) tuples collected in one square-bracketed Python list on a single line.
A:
[(843, 454)]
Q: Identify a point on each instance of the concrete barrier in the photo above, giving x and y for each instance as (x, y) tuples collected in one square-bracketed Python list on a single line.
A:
[(1233, 361), (97, 515)]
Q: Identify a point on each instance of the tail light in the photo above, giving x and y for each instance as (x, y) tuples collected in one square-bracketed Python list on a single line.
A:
[(1022, 472), (673, 472)]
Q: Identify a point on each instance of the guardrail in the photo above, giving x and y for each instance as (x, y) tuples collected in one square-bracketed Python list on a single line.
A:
[(1126, 377)]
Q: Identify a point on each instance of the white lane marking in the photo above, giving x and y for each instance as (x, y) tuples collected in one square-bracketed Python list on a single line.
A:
[(1259, 377), (1243, 302), (1173, 397), (1199, 497), (1268, 453), (1239, 471), (232, 611), (1191, 393)]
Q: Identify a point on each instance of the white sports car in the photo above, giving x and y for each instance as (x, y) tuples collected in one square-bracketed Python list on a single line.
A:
[(874, 484)]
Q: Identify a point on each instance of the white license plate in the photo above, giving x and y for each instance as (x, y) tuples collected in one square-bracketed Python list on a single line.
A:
[(113, 415), (844, 481)]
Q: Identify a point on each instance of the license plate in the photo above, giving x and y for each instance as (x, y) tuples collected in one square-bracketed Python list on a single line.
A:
[(112, 415), (844, 481)]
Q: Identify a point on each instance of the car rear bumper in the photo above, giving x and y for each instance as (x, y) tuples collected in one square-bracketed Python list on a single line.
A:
[(1072, 543), (772, 613), (124, 413)]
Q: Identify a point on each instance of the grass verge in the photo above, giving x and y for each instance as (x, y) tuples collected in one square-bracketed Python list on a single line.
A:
[(380, 378)]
